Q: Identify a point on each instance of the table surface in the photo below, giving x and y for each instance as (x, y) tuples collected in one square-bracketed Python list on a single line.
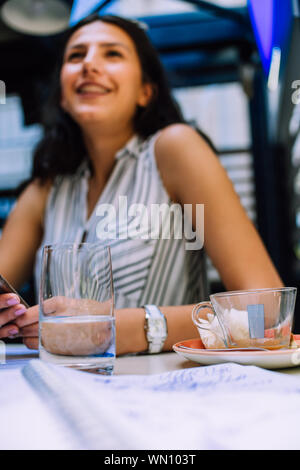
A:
[(17, 355)]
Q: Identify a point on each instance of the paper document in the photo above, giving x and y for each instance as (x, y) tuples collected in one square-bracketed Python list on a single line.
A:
[(225, 406), (25, 421)]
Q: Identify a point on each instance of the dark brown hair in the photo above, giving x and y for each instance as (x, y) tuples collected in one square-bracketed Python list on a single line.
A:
[(62, 149)]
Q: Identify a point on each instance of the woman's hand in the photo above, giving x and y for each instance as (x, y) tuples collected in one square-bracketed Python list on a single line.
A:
[(10, 310), (16, 320), (28, 327)]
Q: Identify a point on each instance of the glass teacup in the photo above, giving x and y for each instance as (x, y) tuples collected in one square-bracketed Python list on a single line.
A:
[(260, 318)]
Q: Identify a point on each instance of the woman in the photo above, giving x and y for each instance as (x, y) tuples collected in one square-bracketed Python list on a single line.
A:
[(117, 132)]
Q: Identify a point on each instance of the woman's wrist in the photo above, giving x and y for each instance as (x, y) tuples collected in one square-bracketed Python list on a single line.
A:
[(130, 328), (130, 331)]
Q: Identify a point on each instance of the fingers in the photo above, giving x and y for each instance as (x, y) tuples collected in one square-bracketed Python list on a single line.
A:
[(10, 314), (8, 300), (30, 317), (31, 343), (10, 330), (30, 331), (11, 309), (30, 335), (56, 305), (20, 320)]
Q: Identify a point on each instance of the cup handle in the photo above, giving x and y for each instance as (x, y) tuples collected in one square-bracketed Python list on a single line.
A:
[(195, 315), (199, 322)]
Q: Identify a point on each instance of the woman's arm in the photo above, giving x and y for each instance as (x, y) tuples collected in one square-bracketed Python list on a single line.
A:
[(130, 327), (19, 242), (193, 175), (130, 331), (22, 234)]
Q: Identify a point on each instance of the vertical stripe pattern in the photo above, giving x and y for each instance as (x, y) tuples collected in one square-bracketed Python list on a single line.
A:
[(151, 270)]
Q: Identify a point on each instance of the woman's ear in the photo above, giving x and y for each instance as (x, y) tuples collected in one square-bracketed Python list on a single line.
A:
[(146, 94)]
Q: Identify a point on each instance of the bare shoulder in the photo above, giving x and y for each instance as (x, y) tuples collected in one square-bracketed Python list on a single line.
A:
[(178, 130), (33, 199), (179, 150), (36, 189), (181, 144), (176, 136)]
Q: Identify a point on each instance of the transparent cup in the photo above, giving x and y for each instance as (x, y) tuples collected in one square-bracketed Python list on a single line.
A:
[(76, 307), (260, 318)]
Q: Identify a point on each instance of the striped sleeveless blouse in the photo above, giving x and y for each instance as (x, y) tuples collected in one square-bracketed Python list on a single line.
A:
[(146, 270)]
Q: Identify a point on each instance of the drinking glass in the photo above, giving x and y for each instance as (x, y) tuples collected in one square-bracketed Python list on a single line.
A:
[(76, 307)]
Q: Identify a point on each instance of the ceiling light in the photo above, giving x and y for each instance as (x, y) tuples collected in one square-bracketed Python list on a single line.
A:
[(36, 17)]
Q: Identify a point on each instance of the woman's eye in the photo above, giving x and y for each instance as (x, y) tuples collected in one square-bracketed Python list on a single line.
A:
[(113, 53), (74, 56)]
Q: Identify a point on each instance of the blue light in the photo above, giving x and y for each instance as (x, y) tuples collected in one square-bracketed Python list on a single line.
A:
[(82, 8), (271, 21), (262, 17)]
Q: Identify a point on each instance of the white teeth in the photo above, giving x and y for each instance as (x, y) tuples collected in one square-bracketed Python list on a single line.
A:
[(92, 89)]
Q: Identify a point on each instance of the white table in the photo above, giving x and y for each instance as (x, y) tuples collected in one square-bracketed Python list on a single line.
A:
[(18, 355)]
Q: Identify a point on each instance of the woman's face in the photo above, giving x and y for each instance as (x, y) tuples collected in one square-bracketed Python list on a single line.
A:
[(101, 77)]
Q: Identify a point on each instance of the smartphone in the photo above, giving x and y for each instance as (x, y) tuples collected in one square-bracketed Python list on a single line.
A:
[(6, 288)]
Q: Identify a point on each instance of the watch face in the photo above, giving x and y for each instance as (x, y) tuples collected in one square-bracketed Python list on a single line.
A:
[(156, 334), (156, 326)]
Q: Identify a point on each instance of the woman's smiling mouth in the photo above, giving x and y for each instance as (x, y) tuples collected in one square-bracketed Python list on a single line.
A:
[(92, 89)]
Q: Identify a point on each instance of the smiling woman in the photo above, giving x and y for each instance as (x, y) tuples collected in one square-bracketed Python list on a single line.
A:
[(101, 70), (113, 131)]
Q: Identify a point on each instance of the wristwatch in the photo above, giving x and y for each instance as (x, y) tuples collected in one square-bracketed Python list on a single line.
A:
[(156, 328)]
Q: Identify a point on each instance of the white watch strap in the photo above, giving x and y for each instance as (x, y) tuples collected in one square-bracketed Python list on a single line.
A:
[(156, 328)]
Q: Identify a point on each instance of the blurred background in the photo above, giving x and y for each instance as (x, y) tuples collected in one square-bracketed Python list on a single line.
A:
[(234, 68)]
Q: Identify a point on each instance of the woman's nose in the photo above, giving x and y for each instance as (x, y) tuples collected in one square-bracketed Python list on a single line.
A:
[(89, 67), (92, 63)]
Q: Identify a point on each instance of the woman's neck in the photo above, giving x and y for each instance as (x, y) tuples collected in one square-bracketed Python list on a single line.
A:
[(102, 149)]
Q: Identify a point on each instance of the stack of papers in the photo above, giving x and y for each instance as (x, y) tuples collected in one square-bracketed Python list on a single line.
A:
[(225, 406)]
